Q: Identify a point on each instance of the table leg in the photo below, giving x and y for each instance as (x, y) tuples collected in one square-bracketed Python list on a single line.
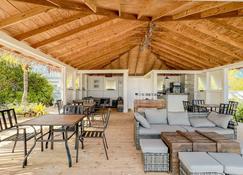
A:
[(67, 147), (77, 141), (52, 138), (42, 144)]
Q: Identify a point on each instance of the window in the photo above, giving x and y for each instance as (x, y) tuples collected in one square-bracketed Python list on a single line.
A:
[(69, 82), (77, 83), (201, 84), (110, 84)]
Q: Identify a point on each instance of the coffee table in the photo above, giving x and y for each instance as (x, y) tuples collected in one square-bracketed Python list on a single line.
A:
[(196, 142)]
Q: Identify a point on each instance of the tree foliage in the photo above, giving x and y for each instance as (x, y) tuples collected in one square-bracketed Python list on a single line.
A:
[(235, 80), (11, 86)]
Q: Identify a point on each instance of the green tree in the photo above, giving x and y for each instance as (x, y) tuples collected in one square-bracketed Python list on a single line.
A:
[(12, 86), (235, 82)]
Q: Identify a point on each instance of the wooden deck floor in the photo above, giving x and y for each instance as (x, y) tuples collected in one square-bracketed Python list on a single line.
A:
[(124, 158)]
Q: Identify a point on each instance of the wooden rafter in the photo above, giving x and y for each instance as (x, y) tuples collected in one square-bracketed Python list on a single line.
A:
[(22, 16), (50, 26), (91, 4), (71, 32)]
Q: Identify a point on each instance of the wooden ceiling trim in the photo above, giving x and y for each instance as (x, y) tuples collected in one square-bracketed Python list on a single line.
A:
[(180, 53), (198, 9), (204, 27), (84, 9), (194, 35), (107, 57), (123, 39), (223, 9), (47, 27), (71, 32), (190, 50), (22, 16), (132, 60), (108, 49), (123, 34), (175, 56)]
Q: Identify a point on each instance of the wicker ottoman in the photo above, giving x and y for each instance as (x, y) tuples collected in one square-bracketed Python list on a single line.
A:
[(155, 155), (199, 163), (232, 163)]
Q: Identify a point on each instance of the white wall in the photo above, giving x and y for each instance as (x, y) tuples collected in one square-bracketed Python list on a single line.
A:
[(138, 85)]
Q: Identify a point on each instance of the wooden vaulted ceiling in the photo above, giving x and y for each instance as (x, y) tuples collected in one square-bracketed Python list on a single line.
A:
[(139, 35)]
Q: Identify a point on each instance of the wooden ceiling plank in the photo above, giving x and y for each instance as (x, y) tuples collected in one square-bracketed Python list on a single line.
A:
[(71, 32), (198, 9), (150, 62), (123, 61), (132, 60), (203, 26), (22, 16), (91, 4), (222, 9), (193, 34), (142, 59), (47, 27), (181, 54)]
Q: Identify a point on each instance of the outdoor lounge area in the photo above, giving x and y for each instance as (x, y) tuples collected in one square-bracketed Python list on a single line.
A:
[(121, 87)]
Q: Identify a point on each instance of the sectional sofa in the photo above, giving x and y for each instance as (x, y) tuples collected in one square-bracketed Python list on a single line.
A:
[(151, 122)]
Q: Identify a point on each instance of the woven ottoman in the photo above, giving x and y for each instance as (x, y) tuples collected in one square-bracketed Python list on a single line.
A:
[(198, 163), (155, 155), (232, 163)]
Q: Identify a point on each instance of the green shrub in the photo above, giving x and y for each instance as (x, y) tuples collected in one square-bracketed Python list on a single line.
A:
[(239, 113)]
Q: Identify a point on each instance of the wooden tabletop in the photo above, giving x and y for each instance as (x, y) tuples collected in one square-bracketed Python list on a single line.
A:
[(53, 120)]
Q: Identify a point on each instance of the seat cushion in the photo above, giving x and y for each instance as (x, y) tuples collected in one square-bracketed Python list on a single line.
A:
[(153, 146), (217, 130), (157, 129), (155, 116), (241, 147), (198, 122), (178, 118), (189, 128), (142, 121), (232, 163), (199, 162)]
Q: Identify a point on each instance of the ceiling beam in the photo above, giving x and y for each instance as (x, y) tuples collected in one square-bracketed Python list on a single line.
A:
[(47, 27), (71, 32), (71, 5), (198, 9), (22, 16), (91, 4), (222, 9)]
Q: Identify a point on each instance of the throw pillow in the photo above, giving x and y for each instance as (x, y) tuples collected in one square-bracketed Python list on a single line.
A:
[(178, 118), (220, 120), (143, 122), (155, 116), (198, 122)]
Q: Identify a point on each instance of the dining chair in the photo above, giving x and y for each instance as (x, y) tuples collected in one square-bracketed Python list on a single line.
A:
[(187, 106), (232, 107), (97, 133)]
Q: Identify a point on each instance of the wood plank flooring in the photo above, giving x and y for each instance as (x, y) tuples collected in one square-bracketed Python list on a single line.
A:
[(124, 158)]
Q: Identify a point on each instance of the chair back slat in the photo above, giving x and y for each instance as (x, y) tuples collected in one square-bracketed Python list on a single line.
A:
[(232, 107), (223, 108), (8, 119), (107, 118)]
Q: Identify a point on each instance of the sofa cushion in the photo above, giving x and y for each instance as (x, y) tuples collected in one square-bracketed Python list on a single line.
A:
[(189, 128), (241, 147), (143, 122), (220, 120), (178, 118), (232, 163), (155, 116), (198, 122), (157, 129), (200, 162), (217, 130), (153, 146)]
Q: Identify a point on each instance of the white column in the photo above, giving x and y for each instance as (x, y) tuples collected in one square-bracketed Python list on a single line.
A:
[(74, 75), (125, 99), (155, 83), (226, 85), (80, 86), (64, 83), (207, 91), (195, 86)]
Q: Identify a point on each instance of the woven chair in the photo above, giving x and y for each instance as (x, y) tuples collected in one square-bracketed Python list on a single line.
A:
[(97, 133)]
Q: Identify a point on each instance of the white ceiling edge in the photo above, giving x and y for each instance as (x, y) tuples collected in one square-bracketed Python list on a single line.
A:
[(27, 50)]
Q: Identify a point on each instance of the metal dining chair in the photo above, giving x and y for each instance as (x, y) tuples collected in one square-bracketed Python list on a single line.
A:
[(97, 133)]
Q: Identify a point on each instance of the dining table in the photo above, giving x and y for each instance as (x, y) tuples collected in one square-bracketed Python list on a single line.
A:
[(54, 120)]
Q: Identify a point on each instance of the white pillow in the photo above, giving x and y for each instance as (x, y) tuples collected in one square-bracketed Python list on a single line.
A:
[(155, 116), (220, 120), (143, 122), (198, 122), (178, 118)]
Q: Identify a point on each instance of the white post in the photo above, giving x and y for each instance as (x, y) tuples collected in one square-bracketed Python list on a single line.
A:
[(195, 86), (74, 75), (125, 99), (64, 83), (155, 84), (80, 86), (226, 85), (207, 91)]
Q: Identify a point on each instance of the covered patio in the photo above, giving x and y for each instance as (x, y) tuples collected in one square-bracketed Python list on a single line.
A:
[(119, 55)]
